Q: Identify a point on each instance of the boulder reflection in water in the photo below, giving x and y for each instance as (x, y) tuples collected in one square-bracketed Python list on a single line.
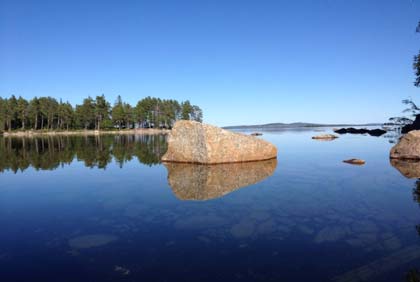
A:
[(205, 182), (408, 168)]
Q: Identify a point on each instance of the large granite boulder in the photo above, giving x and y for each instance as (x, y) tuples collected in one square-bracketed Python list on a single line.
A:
[(408, 148), (205, 182), (194, 142)]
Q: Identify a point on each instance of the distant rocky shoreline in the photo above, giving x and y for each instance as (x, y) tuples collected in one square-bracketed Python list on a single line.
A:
[(294, 125)]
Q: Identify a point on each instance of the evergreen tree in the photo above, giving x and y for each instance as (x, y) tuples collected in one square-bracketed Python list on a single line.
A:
[(66, 115), (129, 116), (34, 112), (186, 110), (11, 112), (3, 103), (102, 109), (85, 113), (118, 112), (196, 113), (22, 111)]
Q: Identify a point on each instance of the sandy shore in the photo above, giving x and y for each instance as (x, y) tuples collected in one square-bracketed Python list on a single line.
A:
[(141, 131)]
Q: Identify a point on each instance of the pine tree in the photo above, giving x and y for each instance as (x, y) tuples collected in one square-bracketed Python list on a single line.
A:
[(118, 113)]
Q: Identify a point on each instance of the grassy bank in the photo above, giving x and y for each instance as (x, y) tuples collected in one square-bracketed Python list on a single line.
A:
[(139, 131)]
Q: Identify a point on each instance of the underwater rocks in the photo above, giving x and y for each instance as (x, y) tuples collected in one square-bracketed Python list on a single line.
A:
[(351, 130), (90, 241), (195, 142), (331, 234)]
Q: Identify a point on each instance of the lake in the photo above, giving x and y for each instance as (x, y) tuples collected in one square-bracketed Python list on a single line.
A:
[(105, 209)]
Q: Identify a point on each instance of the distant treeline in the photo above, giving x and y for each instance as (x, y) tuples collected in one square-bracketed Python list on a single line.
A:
[(46, 113)]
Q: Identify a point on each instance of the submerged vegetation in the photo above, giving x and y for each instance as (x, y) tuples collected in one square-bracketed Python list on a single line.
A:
[(51, 152), (46, 113)]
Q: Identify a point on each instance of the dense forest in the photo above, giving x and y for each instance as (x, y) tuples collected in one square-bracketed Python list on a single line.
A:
[(46, 113)]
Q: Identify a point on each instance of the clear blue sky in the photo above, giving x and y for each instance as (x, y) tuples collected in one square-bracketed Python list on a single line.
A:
[(242, 62)]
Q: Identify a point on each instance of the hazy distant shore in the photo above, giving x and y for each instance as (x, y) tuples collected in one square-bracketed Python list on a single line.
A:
[(295, 125), (140, 131)]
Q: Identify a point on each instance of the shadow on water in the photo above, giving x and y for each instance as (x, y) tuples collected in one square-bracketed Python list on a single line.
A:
[(51, 152), (205, 182)]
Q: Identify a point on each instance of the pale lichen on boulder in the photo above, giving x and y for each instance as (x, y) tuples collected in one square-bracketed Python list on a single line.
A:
[(194, 142)]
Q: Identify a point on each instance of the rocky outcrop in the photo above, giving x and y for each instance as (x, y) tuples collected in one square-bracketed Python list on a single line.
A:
[(326, 137), (351, 130), (355, 161), (204, 182), (194, 142), (408, 148)]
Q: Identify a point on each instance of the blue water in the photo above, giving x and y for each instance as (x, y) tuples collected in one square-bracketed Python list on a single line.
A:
[(111, 215)]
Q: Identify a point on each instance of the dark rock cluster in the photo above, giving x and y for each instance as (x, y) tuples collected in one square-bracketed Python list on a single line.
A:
[(351, 130)]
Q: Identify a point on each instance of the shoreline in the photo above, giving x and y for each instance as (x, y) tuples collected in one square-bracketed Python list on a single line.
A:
[(140, 131)]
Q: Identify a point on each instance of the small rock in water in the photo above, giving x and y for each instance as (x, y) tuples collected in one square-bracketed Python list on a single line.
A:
[(355, 161), (325, 137), (256, 134)]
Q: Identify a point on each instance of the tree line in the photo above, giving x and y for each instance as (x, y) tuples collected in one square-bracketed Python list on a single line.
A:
[(46, 113)]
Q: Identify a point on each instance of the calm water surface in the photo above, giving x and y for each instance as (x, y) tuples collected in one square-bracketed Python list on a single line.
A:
[(105, 209)]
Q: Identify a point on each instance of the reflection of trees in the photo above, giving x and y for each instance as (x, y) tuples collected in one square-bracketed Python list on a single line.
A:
[(413, 276), (50, 152), (416, 198)]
